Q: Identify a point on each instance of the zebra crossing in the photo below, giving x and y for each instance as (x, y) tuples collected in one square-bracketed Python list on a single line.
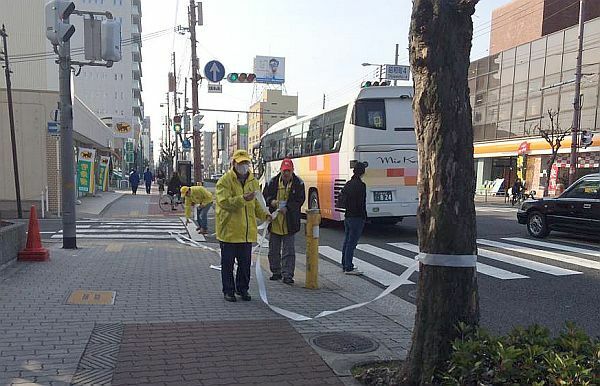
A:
[(128, 229), (528, 256)]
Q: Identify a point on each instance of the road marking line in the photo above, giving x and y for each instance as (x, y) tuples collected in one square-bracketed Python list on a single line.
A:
[(118, 236), (386, 255), (126, 230), (525, 263), (553, 245), (382, 276), (481, 268), (545, 254), (192, 232)]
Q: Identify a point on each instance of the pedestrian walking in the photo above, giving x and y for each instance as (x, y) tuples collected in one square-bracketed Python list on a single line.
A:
[(174, 189), (353, 199), (236, 213), (285, 192), (148, 178), (134, 180), (202, 199), (160, 179)]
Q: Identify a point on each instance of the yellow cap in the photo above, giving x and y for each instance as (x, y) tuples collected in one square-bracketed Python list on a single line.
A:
[(241, 156), (184, 190)]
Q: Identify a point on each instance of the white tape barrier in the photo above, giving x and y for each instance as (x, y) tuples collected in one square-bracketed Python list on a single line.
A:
[(262, 289)]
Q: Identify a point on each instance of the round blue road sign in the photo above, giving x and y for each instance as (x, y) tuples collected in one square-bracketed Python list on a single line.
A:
[(214, 71)]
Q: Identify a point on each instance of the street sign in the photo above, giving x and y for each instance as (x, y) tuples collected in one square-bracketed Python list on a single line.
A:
[(396, 72), (186, 144), (129, 157), (53, 128), (215, 88), (129, 146), (214, 71)]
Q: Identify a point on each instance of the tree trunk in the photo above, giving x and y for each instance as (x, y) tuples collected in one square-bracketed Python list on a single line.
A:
[(440, 44)]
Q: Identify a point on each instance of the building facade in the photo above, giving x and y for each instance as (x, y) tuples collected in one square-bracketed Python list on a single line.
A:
[(513, 91), (271, 108)]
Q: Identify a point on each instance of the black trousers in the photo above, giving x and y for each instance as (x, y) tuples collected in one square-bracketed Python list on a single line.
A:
[(134, 189), (148, 184), (242, 252)]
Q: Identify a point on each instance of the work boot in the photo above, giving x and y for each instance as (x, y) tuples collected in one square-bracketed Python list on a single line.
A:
[(244, 295), (288, 280), (276, 276)]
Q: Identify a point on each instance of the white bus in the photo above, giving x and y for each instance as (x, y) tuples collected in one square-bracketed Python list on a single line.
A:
[(376, 127)]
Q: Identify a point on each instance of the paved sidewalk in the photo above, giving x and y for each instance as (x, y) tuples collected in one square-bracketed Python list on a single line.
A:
[(95, 205), (169, 324)]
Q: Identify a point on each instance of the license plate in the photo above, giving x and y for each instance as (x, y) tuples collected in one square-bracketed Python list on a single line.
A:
[(383, 196)]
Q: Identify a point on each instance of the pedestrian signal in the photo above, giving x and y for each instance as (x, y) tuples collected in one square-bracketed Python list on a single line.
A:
[(57, 29)]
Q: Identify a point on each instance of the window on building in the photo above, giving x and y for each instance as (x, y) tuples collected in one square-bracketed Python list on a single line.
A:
[(538, 58), (522, 63), (508, 67), (554, 48), (503, 129)]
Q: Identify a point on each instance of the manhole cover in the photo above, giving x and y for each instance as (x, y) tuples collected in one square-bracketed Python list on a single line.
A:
[(344, 343)]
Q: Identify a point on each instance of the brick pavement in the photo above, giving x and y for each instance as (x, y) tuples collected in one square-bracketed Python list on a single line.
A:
[(166, 287)]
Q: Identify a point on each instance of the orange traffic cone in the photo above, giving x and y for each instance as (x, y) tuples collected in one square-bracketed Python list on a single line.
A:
[(34, 250)]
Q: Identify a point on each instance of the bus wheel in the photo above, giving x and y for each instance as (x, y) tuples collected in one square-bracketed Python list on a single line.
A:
[(313, 200)]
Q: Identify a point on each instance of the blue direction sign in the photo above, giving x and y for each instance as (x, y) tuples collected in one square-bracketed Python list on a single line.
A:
[(186, 144), (214, 71)]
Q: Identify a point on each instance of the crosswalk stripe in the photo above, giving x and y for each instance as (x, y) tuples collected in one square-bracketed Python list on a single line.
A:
[(126, 230), (481, 268), (382, 276), (118, 236), (386, 255), (560, 247), (140, 226), (545, 254), (525, 263)]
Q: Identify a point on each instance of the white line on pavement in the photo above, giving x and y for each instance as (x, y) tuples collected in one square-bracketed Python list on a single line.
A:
[(372, 271), (386, 255), (525, 263), (481, 268), (117, 236), (545, 254), (553, 245)]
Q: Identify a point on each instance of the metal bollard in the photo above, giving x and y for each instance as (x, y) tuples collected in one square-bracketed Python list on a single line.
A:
[(313, 219)]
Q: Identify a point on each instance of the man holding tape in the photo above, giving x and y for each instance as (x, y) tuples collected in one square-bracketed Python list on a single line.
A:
[(236, 213), (202, 198), (285, 192)]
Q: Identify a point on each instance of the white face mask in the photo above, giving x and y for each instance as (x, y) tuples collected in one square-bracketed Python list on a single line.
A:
[(242, 169)]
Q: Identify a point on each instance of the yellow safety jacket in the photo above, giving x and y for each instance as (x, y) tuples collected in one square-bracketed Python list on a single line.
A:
[(236, 217), (199, 196)]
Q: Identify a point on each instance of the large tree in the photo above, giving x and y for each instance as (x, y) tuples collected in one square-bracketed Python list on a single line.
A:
[(440, 44)]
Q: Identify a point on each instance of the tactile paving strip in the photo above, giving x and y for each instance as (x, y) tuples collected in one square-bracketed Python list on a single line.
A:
[(99, 359)]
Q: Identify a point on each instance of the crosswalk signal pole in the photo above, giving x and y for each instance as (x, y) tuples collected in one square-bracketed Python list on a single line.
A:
[(313, 218)]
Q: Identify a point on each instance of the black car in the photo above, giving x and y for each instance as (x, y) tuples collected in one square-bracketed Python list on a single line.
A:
[(577, 210)]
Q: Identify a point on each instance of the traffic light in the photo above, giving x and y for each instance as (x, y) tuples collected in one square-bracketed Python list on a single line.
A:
[(241, 77), (177, 124), (111, 40), (368, 83), (57, 30), (587, 137), (197, 126)]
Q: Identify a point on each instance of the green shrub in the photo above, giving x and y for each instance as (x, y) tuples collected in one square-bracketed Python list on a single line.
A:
[(523, 357)]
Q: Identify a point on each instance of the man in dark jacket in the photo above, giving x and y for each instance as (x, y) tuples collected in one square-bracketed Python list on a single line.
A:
[(174, 189), (148, 177), (354, 195), (134, 180), (284, 192)]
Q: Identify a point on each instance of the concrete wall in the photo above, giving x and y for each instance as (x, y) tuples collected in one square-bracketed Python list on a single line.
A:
[(12, 239), (516, 23)]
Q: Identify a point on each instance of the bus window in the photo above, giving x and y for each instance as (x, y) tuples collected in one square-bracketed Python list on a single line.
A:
[(369, 113), (328, 138)]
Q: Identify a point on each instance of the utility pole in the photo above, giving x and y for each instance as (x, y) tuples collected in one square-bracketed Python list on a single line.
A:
[(396, 62), (195, 80), (11, 119), (577, 99), (175, 112), (66, 142), (323, 101)]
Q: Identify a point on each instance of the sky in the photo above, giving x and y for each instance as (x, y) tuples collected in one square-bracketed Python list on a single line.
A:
[(324, 43)]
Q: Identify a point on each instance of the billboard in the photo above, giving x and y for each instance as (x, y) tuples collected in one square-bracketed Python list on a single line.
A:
[(122, 127), (269, 69)]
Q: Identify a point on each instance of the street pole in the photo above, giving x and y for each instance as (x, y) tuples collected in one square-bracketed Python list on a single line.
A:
[(67, 154), (396, 62), (195, 78), (175, 112), (11, 119), (577, 98), (323, 101), (380, 73)]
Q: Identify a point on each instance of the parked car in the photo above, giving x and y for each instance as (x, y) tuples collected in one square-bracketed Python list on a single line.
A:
[(576, 210)]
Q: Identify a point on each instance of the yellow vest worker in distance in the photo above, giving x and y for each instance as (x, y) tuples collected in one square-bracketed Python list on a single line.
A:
[(200, 196), (236, 213)]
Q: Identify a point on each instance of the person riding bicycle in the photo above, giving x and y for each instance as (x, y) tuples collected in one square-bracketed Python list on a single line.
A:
[(174, 189), (160, 179), (517, 190)]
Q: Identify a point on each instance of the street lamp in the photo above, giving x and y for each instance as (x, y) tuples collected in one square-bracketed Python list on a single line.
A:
[(380, 69)]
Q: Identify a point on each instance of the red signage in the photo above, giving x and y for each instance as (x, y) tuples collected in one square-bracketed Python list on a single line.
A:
[(523, 148)]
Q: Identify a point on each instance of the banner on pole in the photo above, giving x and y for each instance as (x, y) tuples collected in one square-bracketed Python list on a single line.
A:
[(85, 170), (103, 175)]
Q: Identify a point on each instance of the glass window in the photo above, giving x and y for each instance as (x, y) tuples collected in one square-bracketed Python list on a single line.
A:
[(517, 126), (481, 83), (492, 114), (550, 101), (567, 93), (480, 99), (504, 111), (478, 132), (534, 107), (493, 95), (483, 66), (494, 62), (518, 110), (314, 144), (508, 67), (522, 63), (588, 118), (585, 189), (370, 113), (520, 91), (503, 129), (538, 58), (506, 94), (554, 53), (494, 80), (479, 115), (472, 70)]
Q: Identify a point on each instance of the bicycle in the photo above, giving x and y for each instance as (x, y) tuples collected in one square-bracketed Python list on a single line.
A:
[(522, 196), (170, 202)]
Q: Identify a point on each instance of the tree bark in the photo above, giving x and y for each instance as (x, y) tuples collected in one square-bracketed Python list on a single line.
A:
[(440, 43)]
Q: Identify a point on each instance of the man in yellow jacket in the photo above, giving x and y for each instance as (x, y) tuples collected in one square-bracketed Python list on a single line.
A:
[(236, 213), (202, 198)]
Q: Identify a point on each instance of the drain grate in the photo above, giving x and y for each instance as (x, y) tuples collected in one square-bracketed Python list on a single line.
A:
[(99, 359), (345, 343)]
